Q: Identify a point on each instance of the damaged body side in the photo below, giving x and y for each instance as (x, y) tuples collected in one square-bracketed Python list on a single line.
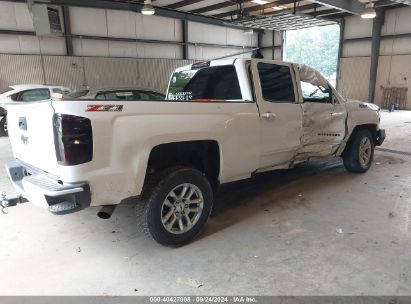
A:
[(328, 118), (324, 116)]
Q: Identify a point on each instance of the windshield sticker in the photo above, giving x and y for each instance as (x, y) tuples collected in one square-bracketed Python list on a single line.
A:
[(104, 108), (180, 96)]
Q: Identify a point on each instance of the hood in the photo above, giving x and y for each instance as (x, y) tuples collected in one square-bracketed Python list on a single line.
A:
[(4, 100), (357, 104)]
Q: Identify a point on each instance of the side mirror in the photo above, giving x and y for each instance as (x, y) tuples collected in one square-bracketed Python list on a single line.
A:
[(13, 97)]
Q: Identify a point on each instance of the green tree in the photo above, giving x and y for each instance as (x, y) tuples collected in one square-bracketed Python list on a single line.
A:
[(316, 47)]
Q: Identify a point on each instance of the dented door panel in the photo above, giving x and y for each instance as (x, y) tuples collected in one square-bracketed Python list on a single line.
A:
[(323, 130), (323, 124)]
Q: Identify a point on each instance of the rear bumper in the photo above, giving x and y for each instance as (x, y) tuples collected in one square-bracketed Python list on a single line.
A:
[(45, 191), (380, 137)]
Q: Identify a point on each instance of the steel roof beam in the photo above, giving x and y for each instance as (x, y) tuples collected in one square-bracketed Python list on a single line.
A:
[(256, 8), (136, 7), (217, 6), (182, 3), (350, 6)]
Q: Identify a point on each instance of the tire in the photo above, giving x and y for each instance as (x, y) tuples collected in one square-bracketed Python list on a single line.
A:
[(163, 201), (3, 126), (353, 161)]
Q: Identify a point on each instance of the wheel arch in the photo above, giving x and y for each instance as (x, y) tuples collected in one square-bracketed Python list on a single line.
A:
[(369, 126), (203, 155)]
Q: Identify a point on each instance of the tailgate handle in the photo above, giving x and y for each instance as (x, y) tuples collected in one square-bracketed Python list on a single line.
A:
[(23, 123)]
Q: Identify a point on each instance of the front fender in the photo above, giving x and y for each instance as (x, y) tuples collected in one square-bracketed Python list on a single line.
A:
[(359, 114)]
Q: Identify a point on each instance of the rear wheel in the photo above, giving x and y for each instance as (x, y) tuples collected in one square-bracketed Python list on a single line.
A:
[(176, 206), (359, 152), (3, 126)]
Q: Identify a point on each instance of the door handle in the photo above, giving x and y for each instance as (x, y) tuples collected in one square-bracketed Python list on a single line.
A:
[(268, 115), (336, 114)]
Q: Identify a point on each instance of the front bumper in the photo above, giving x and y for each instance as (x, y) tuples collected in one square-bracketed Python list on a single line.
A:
[(380, 137), (46, 191)]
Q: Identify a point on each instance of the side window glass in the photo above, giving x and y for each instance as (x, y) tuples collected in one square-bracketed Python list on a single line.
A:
[(153, 96), (124, 95), (101, 96), (140, 95), (313, 86), (315, 93), (35, 95), (276, 83)]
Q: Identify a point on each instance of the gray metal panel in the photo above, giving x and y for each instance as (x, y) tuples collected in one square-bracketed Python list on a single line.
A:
[(98, 71), (63, 70), (19, 69)]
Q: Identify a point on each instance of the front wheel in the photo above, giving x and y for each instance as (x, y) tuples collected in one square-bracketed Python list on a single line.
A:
[(359, 152), (3, 126), (176, 206)]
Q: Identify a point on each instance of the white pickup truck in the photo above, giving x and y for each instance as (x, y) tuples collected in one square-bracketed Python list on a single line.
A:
[(223, 121)]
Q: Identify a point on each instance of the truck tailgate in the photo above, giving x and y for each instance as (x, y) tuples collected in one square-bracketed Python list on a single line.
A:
[(31, 135)]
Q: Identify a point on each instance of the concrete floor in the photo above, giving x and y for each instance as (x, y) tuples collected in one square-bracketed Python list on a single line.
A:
[(273, 235)]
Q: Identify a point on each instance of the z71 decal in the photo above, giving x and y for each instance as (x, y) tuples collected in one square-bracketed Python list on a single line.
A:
[(104, 108)]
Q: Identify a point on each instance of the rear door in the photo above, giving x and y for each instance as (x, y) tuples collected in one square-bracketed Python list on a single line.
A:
[(280, 113)]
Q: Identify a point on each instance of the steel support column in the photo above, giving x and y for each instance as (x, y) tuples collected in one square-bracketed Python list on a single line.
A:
[(67, 31), (378, 22), (273, 51), (185, 39), (259, 39), (340, 51)]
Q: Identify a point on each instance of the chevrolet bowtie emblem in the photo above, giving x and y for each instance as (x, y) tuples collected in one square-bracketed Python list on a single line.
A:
[(24, 139)]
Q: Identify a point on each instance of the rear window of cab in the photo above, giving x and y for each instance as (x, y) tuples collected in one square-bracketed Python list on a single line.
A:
[(218, 83)]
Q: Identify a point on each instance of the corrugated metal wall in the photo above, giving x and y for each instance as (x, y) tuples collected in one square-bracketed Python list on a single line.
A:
[(354, 77), (394, 71), (394, 67), (122, 24), (95, 72)]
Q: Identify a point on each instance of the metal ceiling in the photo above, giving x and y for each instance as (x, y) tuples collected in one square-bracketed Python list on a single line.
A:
[(232, 9), (272, 14), (283, 21), (406, 2)]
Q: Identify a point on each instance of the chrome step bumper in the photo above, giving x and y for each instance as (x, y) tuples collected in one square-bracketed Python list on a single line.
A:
[(45, 190)]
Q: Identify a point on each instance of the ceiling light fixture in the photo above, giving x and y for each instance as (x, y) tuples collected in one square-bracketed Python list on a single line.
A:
[(148, 8), (280, 7), (259, 1), (369, 12), (248, 31)]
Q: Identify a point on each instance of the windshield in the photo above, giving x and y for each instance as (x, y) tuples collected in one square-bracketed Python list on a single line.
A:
[(206, 84), (78, 94), (129, 95)]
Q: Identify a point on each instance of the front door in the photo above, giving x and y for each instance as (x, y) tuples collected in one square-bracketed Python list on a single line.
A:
[(323, 115), (280, 113)]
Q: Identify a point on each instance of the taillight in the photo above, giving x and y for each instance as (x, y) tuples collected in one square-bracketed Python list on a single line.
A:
[(73, 139)]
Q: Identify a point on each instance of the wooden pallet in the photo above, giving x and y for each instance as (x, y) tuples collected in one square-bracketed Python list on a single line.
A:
[(394, 95)]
